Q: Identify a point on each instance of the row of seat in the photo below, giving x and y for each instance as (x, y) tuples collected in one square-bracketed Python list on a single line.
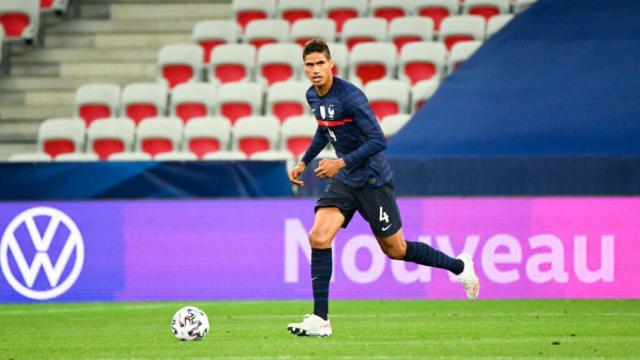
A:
[(20, 19), (340, 11), (139, 101), (401, 30), (200, 136), (180, 63)]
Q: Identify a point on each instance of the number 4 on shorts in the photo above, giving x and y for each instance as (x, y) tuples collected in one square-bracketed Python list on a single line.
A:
[(383, 215)]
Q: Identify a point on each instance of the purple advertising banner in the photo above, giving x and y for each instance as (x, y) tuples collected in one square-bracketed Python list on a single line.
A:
[(258, 250)]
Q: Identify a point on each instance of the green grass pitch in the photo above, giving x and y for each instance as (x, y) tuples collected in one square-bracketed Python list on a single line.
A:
[(518, 329)]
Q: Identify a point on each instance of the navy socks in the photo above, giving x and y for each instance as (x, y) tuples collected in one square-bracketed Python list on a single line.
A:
[(321, 267), (421, 253)]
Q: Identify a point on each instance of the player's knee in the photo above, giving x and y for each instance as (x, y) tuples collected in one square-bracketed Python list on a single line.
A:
[(319, 239), (395, 252)]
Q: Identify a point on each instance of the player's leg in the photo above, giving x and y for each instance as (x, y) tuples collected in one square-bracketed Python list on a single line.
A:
[(334, 209), (378, 206), (327, 222)]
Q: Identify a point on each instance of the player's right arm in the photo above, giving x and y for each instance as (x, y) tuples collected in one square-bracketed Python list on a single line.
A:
[(318, 143)]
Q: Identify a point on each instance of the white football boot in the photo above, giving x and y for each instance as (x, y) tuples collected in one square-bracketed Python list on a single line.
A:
[(468, 277), (311, 325)]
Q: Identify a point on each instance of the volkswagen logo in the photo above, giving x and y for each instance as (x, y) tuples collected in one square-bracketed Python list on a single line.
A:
[(23, 235)]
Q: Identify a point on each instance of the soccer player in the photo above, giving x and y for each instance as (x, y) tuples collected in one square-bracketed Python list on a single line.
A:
[(361, 180)]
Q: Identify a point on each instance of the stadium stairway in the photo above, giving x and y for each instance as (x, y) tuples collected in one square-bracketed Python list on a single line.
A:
[(112, 40)]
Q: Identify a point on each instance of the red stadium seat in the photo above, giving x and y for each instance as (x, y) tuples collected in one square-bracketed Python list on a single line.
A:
[(410, 29), (391, 9), (422, 61), (286, 99), (239, 99), (97, 101), (246, 11), (111, 136), (144, 100), (207, 134), (372, 61), (189, 101), (341, 11), (486, 8), (20, 19), (461, 28), (255, 133), (158, 135), (297, 133), (267, 31), (180, 63), (294, 10), (231, 63), (361, 30), (61, 136), (278, 62), (211, 33), (388, 97), (437, 10)]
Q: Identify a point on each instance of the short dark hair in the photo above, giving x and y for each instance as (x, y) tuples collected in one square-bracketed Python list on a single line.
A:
[(316, 46)]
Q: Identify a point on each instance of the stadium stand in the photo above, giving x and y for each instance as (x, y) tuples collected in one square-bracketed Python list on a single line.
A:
[(211, 33), (266, 31), (408, 29), (255, 133), (422, 61), (295, 10), (296, 134), (341, 11), (189, 101), (437, 10), (390, 9), (144, 100), (278, 62), (372, 61), (486, 8), (307, 29), (246, 11), (388, 97), (205, 135), (110, 136), (61, 136), (286, 99), (180, 63), (20, 19), (159, 134), (239, 99), (97, 101), (232, 62), (360, 30), (461, 28)]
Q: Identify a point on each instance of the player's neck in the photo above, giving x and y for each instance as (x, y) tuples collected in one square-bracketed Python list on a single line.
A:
[(324, 89)]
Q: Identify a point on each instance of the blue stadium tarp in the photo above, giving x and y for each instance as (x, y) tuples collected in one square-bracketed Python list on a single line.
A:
[(561, 80)]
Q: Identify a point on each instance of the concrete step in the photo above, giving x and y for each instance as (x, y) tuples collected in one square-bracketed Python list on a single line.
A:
[(86, 55), (159, 11), (32, 114), (48, 98), (35, 69), (19, 131), (16, 147), (149, 41), (31, 83), (125, 26), (12, 98), (106, 69), (70, 41)]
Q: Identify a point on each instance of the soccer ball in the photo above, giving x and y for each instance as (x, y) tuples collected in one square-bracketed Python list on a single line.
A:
[(189, 324)]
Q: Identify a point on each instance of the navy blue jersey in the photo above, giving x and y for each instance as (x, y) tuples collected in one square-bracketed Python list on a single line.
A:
[(346, 120)]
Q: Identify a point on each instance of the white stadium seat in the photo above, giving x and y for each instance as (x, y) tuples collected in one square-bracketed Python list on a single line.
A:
[(175, 156), (392, 124), (297, 133), (160, 134), (342, 10), (437, 10), (497, 22), (60, 136), (388, 97), (390, 9), (460, 28), (287, 98), (96, 101), (226, 156), (20, 19), (143, 100), (307, 29), (410, 29), (246, 11), (372, 61), (193, 100), (255, 133), (421, 92), (239, 99), (422, 61), (361, 30), (279, 62), (340, 56), (110, 136), (77, 157), (180, 63), (296, 10), (486, 8), (461, 52), (130, 156), (211, 33), (206, 135), (232, 62), (30, 157), (267, 31)]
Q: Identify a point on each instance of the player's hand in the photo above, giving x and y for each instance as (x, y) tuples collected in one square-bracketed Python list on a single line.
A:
[(294, 174), (329, 168)]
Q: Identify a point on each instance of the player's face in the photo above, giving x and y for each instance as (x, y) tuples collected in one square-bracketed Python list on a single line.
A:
[(318, 68)]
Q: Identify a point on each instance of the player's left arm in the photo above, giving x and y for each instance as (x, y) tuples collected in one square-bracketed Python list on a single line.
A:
[(367, 122)]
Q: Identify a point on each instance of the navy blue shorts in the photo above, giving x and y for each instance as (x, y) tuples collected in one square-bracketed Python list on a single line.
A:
[(377, 205)]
